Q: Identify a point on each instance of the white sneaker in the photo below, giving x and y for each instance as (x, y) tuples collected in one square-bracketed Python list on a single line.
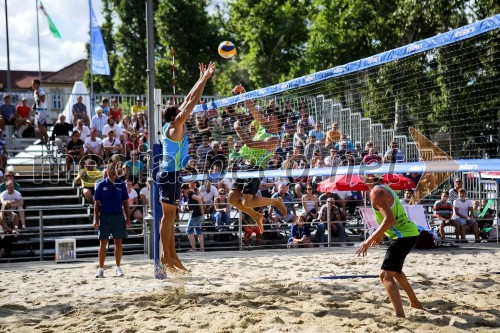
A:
[(118, 271), (99, 273)]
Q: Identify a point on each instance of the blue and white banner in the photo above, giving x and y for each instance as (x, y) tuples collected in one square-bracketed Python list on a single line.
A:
[(98, 54), (446, 38)]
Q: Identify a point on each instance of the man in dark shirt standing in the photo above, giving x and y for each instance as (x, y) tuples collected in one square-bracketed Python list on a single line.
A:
[(60, 133), (195, 204), (111, 217)]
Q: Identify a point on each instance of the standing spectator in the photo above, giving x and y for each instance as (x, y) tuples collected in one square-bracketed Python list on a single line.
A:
[(14, 198), (94, 146), (111, 145), (115, 111), (333, 135), (203, 150), (300, 234), (87, 178), (443, 211), (99, 121), (462, 212), (195, 204), (208, 193), (329, 213), (60, 133), (79, 111), (393, 154), (222, 211), (317, 132), (41, 110), (74, 152), (23, 117), (138, 107), (111, 217), (455, 189), (82, 129), (7, 112)]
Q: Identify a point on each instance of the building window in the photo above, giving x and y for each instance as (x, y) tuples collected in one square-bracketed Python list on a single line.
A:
[(57, 101)]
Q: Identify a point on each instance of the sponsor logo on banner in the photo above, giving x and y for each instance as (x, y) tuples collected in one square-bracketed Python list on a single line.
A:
[(284, 86), (413, 47), (464, 32), (309, 78), (373, 60), (261, 91), (339, 69)]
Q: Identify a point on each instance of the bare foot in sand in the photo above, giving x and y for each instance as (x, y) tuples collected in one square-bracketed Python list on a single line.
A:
[(172, 264), (281, 206), (417, 305)]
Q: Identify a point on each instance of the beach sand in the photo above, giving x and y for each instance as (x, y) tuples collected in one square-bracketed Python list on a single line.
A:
[(255, 291)]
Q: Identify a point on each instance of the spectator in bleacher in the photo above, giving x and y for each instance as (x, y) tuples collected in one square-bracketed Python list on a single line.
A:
[(3, 150), (112, 126), (311, 147), (306, 122), (202, 153), (462, 212), (393, 154), (79, 111), (111, 217), (203, 124), (7, 112), (442, 213), (93, 145), (191, 168), (216, 156), (301, 182), (138, 108), (61, 133), (317, 132), (83, 129), (22, 117), (135, 211), (105, 107), (328, 213), (124, 173), (291, 213), (132, 144), (333, 135), (222, 211), (126, 127), (136, 166), (282, 150), (15, 199), (454, 191), (407, 198), (344, 201), (194, 227), (299, 138), (289, 127), (140, 125), (249, 227), (310, 203), (99, 121), (111, 145), (9, 222), (300, 233), (115, 111), (87, 178), (145, 195), (9, 175), (74, 152), (208, 193), (368, 146), (333, 159), (348, 144), (372, 157)]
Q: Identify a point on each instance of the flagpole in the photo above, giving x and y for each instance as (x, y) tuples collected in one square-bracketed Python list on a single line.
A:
[(38, 40), (8, 49), (92, 103)]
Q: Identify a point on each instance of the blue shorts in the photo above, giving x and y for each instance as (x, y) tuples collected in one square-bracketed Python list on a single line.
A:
[(169, 185), (112, 224), (194, 225)]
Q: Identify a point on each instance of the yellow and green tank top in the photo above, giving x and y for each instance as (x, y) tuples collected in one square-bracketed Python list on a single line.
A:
[(257, 156), (403, 227)]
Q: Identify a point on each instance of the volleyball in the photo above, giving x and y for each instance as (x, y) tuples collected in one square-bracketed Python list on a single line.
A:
[(227, 50)]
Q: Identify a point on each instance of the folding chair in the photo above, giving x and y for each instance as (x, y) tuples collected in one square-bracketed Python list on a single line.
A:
[(368, 217)]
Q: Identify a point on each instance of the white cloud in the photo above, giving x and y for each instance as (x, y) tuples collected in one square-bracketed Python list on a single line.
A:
[(71, 18)]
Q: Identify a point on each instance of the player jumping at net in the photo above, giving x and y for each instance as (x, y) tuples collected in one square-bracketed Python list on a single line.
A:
[(175, 158), (255, 153), (395, 224)]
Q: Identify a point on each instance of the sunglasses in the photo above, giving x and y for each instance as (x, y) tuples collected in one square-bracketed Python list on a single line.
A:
[(222, 193)]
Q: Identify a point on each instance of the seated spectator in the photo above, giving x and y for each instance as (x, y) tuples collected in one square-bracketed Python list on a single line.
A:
[(368, 146), (300, 233), (393, 154), (333, 159), (275, 214), (333, 135), (311, 147), (249, 227), (301, 183), (115, 111), (407, 198), (310, 204), (462, 213), (202, 152), (345, 201), (60, 133), (111, 145), (216, 156), (348, 144), (112, 126), (329, 213), (93, 145), (135, 211), (74, 151), (318, 132), (82, 129), (191, 168), (87, 178), (299, 138), (266, 186), (126, 127), (9, 224), (140, 124), (99, 121), (222, 211), (372, 157), (124, 174), (14, 198), (131, 144), (138, 108), (289, 126), (79, 111), (9, 175), (305, 122), (208, 193), (3, 150), (7, 112), (23, 117), (136, 166), (145, 194)]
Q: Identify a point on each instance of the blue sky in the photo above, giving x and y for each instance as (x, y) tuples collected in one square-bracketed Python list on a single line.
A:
[(71, 18)]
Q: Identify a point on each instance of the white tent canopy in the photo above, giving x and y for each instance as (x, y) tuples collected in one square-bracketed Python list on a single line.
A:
[(79, 89)]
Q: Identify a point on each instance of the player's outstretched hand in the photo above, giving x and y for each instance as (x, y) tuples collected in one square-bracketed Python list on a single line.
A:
[(237, 125), (239, 89), (208, 70)]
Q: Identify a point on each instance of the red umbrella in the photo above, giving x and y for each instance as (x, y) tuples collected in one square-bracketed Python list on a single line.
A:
[(355, 183)]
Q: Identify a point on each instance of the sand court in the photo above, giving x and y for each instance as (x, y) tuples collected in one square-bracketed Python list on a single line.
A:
[(300, 290)]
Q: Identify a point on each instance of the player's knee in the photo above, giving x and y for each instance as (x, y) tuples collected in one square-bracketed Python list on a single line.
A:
[(386, 275)]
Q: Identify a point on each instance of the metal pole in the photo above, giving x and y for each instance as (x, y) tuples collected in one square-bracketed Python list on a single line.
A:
[(40, 224), (150, 69), (92, 101), (38, 40), (9, 85)]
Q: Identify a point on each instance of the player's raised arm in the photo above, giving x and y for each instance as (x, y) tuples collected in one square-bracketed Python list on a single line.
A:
[(239, 89)]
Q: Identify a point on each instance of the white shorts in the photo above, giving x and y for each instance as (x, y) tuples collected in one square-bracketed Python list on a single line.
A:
[(42, 116)]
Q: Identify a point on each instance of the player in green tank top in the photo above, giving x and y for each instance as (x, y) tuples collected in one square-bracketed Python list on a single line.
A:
[(395, 224), (256, 151)]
